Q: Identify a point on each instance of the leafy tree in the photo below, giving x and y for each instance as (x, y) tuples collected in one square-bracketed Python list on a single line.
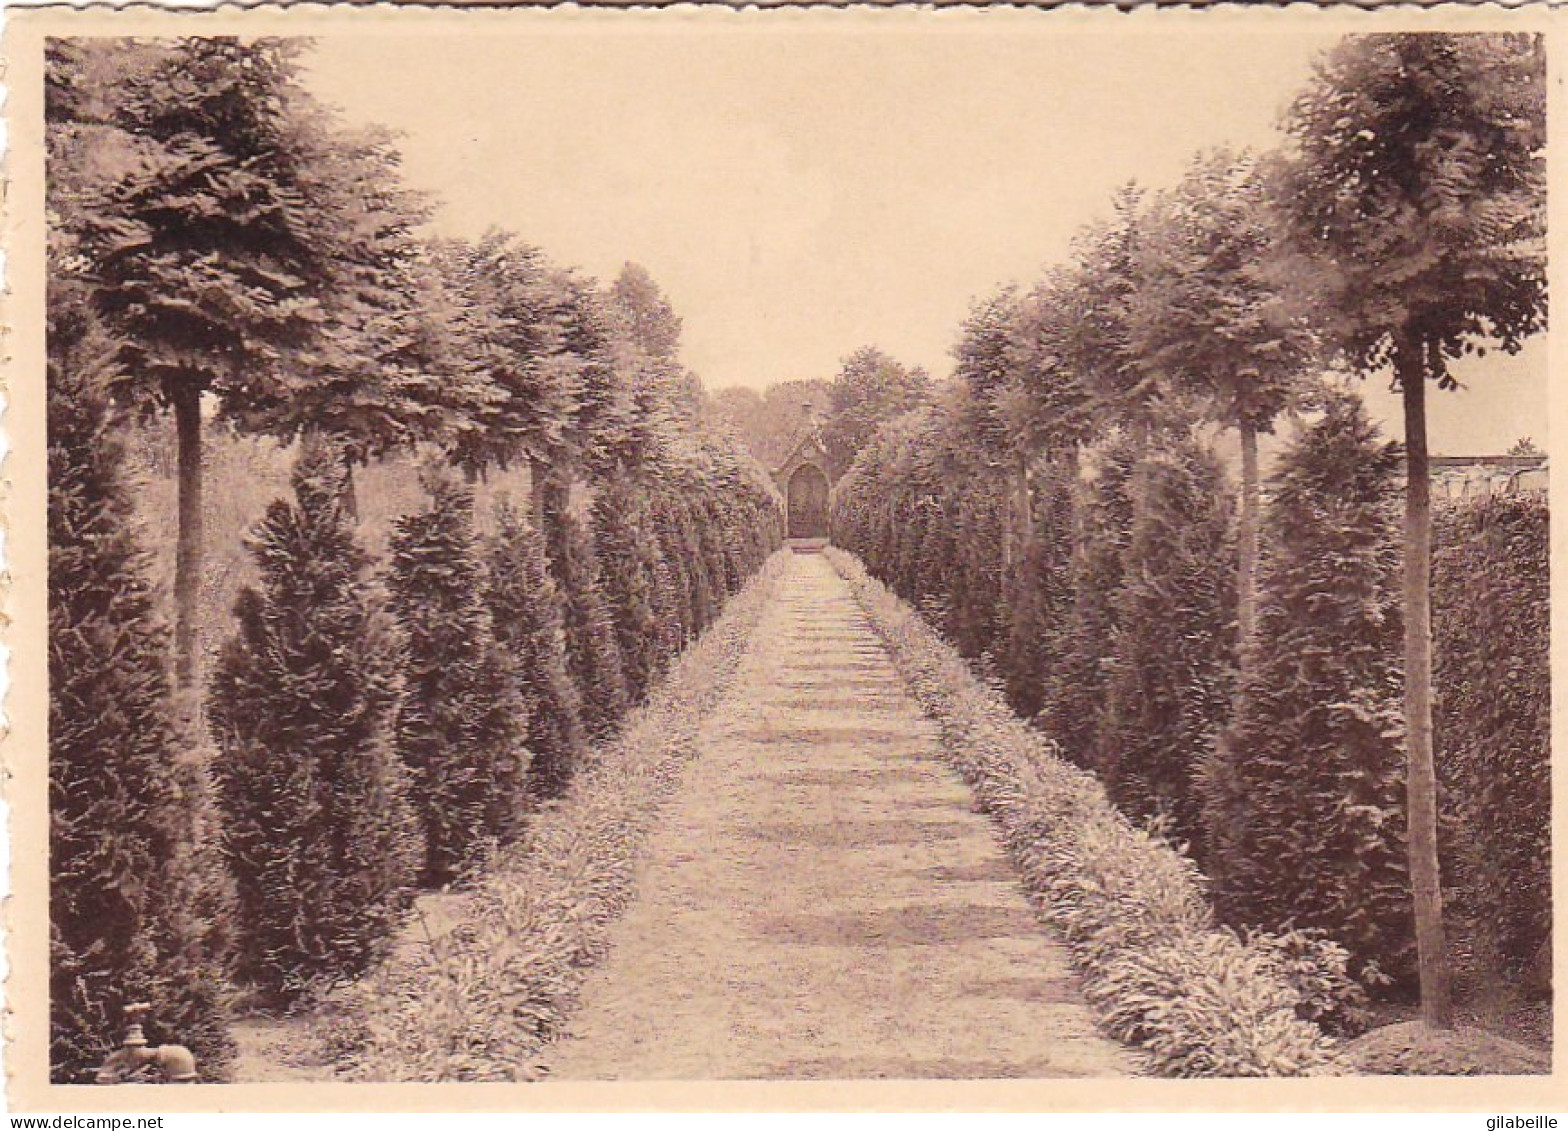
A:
[(1416, 189), (526, 610), (1206, 317), (1090, 305), (393, 369), (1305, 805), (318, 830), (870, 388), (461, 723), (769, 423), (511, 329), (136, 906), (646, 314), (213, 245)]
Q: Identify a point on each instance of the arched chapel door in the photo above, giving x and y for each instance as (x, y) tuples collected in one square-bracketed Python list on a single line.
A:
[(808, 502)]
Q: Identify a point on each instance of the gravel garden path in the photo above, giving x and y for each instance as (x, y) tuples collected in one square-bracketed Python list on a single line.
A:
[(822, 900)]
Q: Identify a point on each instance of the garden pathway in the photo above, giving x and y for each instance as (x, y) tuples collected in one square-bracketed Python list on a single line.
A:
[(822, 899)]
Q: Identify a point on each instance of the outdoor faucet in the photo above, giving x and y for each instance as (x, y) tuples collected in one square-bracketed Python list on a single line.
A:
[(173, 1064)]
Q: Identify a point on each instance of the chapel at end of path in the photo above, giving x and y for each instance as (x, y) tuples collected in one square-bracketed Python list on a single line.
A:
[(807, 487)]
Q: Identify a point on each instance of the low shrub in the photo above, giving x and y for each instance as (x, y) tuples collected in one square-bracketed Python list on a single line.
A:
[(480, 1002), (1198, 999)]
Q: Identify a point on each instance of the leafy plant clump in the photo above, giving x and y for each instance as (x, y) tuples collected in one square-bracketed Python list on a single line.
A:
[(1198, 999), (479, 1003)]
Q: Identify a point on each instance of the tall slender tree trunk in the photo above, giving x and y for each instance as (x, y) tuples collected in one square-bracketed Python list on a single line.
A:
[(350, 491), (1421, 777), (1017, 547), (187, 554), (1247, 539), (538, 490)]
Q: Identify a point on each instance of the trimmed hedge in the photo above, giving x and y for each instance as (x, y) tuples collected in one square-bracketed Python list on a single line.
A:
[(479, 1003), (1491, 582), (1198, 999)]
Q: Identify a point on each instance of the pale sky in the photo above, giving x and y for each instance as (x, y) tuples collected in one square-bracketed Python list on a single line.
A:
[(802, 187)]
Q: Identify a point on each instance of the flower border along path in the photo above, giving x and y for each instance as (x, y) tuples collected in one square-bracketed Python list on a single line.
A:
[(479, 1002), (1197, 999)]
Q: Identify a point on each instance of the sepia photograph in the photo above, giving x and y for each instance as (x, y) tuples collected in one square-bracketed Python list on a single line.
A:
[(780, 547)]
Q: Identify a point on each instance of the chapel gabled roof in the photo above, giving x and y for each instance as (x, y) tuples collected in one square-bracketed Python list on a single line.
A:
[(808, 448)]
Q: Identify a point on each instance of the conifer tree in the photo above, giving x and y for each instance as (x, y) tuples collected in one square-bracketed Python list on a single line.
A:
[(1171, 657), (677, 595), (136, 904), (592, 651), (318, 829), (461, 724), (628, 561), (692, 553), (1072, 704), (1039, 598), (1304, 801), (526, 609)]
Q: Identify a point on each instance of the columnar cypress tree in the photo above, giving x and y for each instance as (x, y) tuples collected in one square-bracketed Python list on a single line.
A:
[(461, 725), (526, 610), (628, 560), (592, 651), (1039, 598), (709, 519), (1071, 712), (135, 913), (703, 589), (974, 575), (1171, 659), (677, 596), (320, 836), (666, 586), (1305, 798)]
